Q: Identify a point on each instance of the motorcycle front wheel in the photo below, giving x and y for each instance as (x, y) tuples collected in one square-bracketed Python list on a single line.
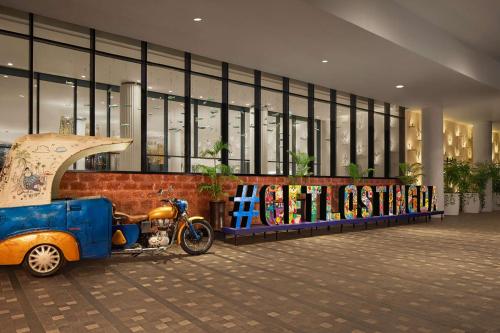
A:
[(197, 245)]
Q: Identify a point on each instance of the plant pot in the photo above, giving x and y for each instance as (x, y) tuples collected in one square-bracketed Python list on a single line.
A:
[(496, 201), (217, 214), (451, 203), (472, 204)]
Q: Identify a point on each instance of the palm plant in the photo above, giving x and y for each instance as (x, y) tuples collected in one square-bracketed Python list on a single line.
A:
[(302, 163), (479, 177), (217, 173), (456, 176), (410, 173), (356, 172)]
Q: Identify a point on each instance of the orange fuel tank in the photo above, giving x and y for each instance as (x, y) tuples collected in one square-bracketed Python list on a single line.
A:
[(164, 212)]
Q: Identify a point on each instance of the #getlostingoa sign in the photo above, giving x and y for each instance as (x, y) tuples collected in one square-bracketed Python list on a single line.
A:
[(284, 204)]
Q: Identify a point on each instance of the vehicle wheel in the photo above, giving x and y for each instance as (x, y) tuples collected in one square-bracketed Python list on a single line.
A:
[(194, 246), (44, 260)]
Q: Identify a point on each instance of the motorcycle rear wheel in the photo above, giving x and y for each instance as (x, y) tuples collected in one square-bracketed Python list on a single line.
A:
[(196, 247)]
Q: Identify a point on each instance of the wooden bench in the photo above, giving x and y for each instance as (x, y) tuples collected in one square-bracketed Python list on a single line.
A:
[(276, 228)]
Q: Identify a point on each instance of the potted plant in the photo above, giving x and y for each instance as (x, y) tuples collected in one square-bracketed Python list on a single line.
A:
[(302, 162), (455, 180), (410, 173), (217, 174), (474, 197), (356, 173), (495, 178)]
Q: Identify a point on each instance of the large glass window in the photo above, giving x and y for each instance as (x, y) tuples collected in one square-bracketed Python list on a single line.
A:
[(343, 134), (362, 133), (13, 20), (241, 128), (56, 107), (298, 128), (394, 144), (14, 52), (322, 138), (165, 56), (379, 135), (13, 107), (61, 32), (272, 132), (206, 99), (156, 133)]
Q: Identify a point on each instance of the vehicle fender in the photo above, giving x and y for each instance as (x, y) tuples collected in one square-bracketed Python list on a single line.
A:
[(14, 249), (182, 225)]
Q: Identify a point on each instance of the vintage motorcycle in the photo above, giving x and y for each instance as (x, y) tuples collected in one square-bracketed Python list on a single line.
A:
[(158, 230)]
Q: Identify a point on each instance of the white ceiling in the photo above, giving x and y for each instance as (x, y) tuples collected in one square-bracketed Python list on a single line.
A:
[(291, 37)]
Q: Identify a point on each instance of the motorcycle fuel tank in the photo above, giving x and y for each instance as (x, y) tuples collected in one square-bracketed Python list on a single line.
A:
[(163, 212)]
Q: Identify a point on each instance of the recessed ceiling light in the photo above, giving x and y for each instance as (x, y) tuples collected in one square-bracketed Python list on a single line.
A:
[(22, 96), (10, 64), (138, 81), (83, 76), (197, 19), (232, 102), (324, 61), (150, 87), (201, 96), (6, 76), (399, 86)]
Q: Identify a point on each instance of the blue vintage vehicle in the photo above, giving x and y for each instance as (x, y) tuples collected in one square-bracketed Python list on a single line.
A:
[(43, 233)]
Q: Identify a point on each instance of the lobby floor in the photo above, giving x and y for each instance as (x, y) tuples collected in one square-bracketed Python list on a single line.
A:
[(423, 277)]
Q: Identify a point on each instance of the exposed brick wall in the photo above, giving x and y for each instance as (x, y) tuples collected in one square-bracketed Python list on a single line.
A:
[(134, 193)]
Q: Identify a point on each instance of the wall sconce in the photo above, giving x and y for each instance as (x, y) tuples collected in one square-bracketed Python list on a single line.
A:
[(419, 134), (450, 140), (496, 148), (444, 150), (409, 146), (419, 156), (457, 152), (457, 131), (469, 153), (411, 123)]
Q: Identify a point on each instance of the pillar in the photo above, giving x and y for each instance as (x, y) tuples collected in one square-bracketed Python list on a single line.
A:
[(130, 125), (481, 152), (432, 151)]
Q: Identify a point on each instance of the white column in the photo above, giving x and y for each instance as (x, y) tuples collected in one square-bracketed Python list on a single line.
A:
[(481, 152), (130, 125), (432, 151)]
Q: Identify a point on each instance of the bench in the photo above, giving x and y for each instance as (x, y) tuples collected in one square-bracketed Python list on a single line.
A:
[(276, 228)]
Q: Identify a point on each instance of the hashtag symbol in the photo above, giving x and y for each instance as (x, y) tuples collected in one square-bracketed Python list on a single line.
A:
[(243, 211)]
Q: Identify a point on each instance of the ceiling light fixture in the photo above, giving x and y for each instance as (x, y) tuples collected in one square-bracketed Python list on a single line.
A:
[(400, 86), (324, 61), (22, 96), (197, 19), (150, 87), (6, 76), (83, 76)]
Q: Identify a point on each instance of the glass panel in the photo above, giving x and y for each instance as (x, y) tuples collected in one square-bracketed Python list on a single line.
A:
[(298, 87), (394, 110), (379, 144), (56, 107), (343, 139), (322, 138), (156, 134), (206, 113), (165, 56), (242, 74), (13, 20), (175, 136), (394, 125), (14, 52), (61, 61), (118, 45), (272, 81), (167, 81), (362, 139), (122, 77), (101, 100), (272, 132), (322, 93), (206, 66), (298, 128), (13, 107), (241, 128), (62, 32)]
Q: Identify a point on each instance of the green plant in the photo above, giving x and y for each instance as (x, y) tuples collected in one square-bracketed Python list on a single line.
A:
[(495, 177), (302, 163), (456, 176), (410, 173), (480, 174), (217, 173), (356, 172)]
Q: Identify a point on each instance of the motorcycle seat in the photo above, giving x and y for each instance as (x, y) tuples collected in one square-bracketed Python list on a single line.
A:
[(124, 218)]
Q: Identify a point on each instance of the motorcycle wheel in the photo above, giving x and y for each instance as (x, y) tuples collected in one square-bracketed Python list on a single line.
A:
[(196, 247)]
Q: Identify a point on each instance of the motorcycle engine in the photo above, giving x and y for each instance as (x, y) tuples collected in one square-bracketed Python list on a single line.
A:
[(158, 239)]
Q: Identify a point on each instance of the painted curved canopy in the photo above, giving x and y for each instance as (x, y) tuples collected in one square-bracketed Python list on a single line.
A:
[(36, 163)]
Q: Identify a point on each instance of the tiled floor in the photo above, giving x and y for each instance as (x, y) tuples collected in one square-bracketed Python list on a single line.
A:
[(435, 277)]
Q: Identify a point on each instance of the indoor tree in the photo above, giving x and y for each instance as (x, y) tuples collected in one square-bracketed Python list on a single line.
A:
[(410, 173), (356, 172), (302, 162)]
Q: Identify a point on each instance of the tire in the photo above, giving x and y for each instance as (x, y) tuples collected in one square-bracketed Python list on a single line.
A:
[(194, 247), (44, 260)]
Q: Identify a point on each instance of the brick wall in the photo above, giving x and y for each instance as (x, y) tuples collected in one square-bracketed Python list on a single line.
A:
[(131, 192)]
